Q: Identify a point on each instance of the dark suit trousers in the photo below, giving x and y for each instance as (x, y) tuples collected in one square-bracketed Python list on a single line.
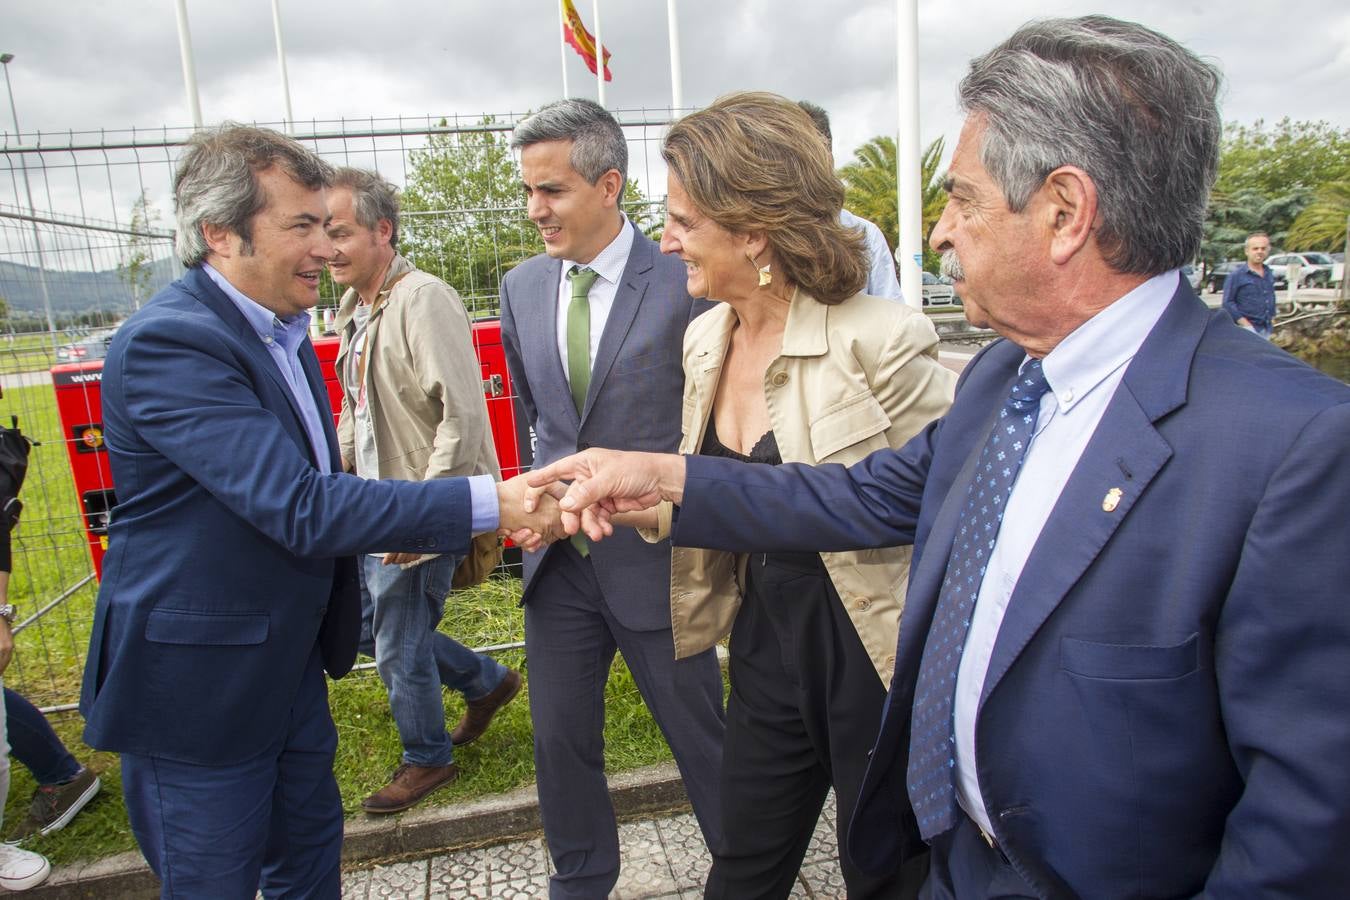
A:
[(275, 821), (570, 640), (964, 866), (805, 705)]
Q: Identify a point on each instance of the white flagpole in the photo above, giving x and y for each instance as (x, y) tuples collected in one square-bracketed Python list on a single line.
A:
[(599, 54), (676, 79), (562, 47), (281, 62), (189, 68), (908, 251)]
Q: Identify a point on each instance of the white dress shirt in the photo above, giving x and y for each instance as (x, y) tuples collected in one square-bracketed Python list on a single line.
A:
[(1084, 371), (608, 264), (881, 278)]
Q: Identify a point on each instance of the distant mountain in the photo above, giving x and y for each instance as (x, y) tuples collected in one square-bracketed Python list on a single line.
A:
[(77, 291)]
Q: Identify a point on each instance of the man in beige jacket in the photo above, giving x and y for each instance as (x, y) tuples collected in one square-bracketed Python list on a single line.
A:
[(412, 409)]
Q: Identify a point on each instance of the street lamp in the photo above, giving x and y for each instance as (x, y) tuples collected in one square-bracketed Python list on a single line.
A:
[(5, 59)]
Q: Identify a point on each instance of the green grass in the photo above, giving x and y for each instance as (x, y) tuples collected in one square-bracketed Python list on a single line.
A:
[(51, 556)]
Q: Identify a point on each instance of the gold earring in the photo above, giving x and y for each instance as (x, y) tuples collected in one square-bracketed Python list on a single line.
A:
[(765, 276)]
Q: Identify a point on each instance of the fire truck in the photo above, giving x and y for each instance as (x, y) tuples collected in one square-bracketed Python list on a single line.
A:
[(79, 403)]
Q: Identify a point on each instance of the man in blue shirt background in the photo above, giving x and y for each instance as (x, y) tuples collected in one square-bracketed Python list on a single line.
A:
[(1249, 291)]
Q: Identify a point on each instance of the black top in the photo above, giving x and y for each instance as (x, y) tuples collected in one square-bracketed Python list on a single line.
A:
[(764, 451)]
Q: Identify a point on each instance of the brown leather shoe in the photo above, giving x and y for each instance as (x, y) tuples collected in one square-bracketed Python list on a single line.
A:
[(479, 713), (408, 786)]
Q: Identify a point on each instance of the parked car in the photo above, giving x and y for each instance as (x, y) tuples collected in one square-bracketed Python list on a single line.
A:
[(1219, 274), (935, 293), (1316, 272), (1192, 276), (93, 347)]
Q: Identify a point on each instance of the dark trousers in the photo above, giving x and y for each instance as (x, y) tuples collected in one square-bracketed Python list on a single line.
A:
[(805, 706), (34, 744), (964, 866), (273, 822), (570, 639)]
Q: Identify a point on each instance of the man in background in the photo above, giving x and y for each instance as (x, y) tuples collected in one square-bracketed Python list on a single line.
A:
[(1249, 291), (881, 277), (412, 409)]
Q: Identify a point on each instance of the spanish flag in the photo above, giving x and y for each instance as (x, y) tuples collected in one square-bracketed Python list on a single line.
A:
[(582, 41)]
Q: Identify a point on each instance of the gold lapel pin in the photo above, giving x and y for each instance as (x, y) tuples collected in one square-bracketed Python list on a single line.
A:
[(1112, 499)]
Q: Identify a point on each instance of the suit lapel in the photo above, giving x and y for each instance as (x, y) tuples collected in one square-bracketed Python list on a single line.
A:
[(627, 299), (309, 362), (704, 374), (205, 290), (1125, 453), (547, 289)]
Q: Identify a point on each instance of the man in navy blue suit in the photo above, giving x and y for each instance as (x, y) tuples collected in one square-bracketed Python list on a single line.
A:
[(1121, 667), (229, 585)]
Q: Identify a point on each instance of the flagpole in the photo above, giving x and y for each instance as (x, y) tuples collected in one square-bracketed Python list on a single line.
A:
[(562, 47), (599, 54), (908, 250), (676, 80), (281, 62), (189, 67)]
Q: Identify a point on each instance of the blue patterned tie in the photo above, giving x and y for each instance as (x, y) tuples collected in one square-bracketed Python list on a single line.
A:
[(932, 744)]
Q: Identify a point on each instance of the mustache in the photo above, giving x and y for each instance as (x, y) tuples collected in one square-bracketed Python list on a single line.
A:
[(951, 266)]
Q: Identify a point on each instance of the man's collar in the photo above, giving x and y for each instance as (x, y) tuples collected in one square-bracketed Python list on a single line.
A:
[(265, 323), (609, 263)]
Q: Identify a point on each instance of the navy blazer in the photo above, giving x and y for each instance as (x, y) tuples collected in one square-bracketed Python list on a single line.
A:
[(228, 549), (633, 402), (1167, 711)]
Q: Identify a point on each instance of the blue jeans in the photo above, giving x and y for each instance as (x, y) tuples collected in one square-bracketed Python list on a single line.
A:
[(34, 744), (400, 609)]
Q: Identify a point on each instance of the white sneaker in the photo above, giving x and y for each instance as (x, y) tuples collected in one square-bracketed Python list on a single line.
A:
[(22, 869)]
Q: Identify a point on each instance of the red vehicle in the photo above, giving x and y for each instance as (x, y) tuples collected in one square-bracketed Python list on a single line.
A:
[(79, 404)]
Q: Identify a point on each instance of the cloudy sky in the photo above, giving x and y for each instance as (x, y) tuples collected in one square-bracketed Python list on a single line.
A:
[(91, 64)]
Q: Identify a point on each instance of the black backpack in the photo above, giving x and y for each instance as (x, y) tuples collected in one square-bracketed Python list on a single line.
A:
[(14, 449)]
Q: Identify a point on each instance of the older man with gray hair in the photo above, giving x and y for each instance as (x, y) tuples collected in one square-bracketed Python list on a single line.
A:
[(1120, 668)]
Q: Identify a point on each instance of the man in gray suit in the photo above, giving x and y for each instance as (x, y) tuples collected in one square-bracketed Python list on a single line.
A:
[(593, 330)]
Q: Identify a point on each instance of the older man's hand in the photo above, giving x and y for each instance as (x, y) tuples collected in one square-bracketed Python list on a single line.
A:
[(605, 482)]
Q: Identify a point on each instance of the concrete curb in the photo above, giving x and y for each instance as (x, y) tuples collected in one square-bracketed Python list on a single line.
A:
[(417, 833)]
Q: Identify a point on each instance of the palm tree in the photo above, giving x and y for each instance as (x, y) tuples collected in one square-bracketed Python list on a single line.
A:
[(870, 189), (1322, 224)]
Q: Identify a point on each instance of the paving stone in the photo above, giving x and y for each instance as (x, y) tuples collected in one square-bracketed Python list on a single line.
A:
[(355, 885), (399, 880), (517, 861), (644, 869), (461, 874), (685, 849), (520, 889), (825, 880)]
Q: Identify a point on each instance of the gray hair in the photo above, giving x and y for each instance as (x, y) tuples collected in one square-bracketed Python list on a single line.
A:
[(1132, 108), (373, 198), (819, 118), (216, 182), (598, 144)]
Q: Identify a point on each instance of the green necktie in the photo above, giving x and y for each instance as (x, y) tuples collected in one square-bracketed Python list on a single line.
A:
[(579, 353), (579, 334)]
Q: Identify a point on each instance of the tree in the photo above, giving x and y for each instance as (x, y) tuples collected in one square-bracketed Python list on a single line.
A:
[(1322, 224), (463, 219), (136, 268), (870, 190), (1278, 160)]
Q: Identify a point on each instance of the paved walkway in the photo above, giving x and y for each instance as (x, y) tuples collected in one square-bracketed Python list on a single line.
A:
[(662, 857)]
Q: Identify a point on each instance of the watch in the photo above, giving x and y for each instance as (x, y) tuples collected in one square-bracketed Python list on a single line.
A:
[(8, 612)]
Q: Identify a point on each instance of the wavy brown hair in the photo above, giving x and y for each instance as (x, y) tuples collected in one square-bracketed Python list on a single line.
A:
[(755, 162)]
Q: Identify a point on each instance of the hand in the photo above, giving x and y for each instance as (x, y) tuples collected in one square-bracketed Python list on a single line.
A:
[(529, 517), (605, 482), (400, 559), (6, 645)]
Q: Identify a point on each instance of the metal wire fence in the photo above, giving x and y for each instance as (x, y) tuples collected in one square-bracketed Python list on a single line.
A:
[(86, 237)]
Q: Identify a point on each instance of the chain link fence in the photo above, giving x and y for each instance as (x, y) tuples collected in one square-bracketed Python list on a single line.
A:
[(86, 237)]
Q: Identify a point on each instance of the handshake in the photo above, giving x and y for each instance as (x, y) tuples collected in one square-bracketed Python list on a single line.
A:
[(584, 493)]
